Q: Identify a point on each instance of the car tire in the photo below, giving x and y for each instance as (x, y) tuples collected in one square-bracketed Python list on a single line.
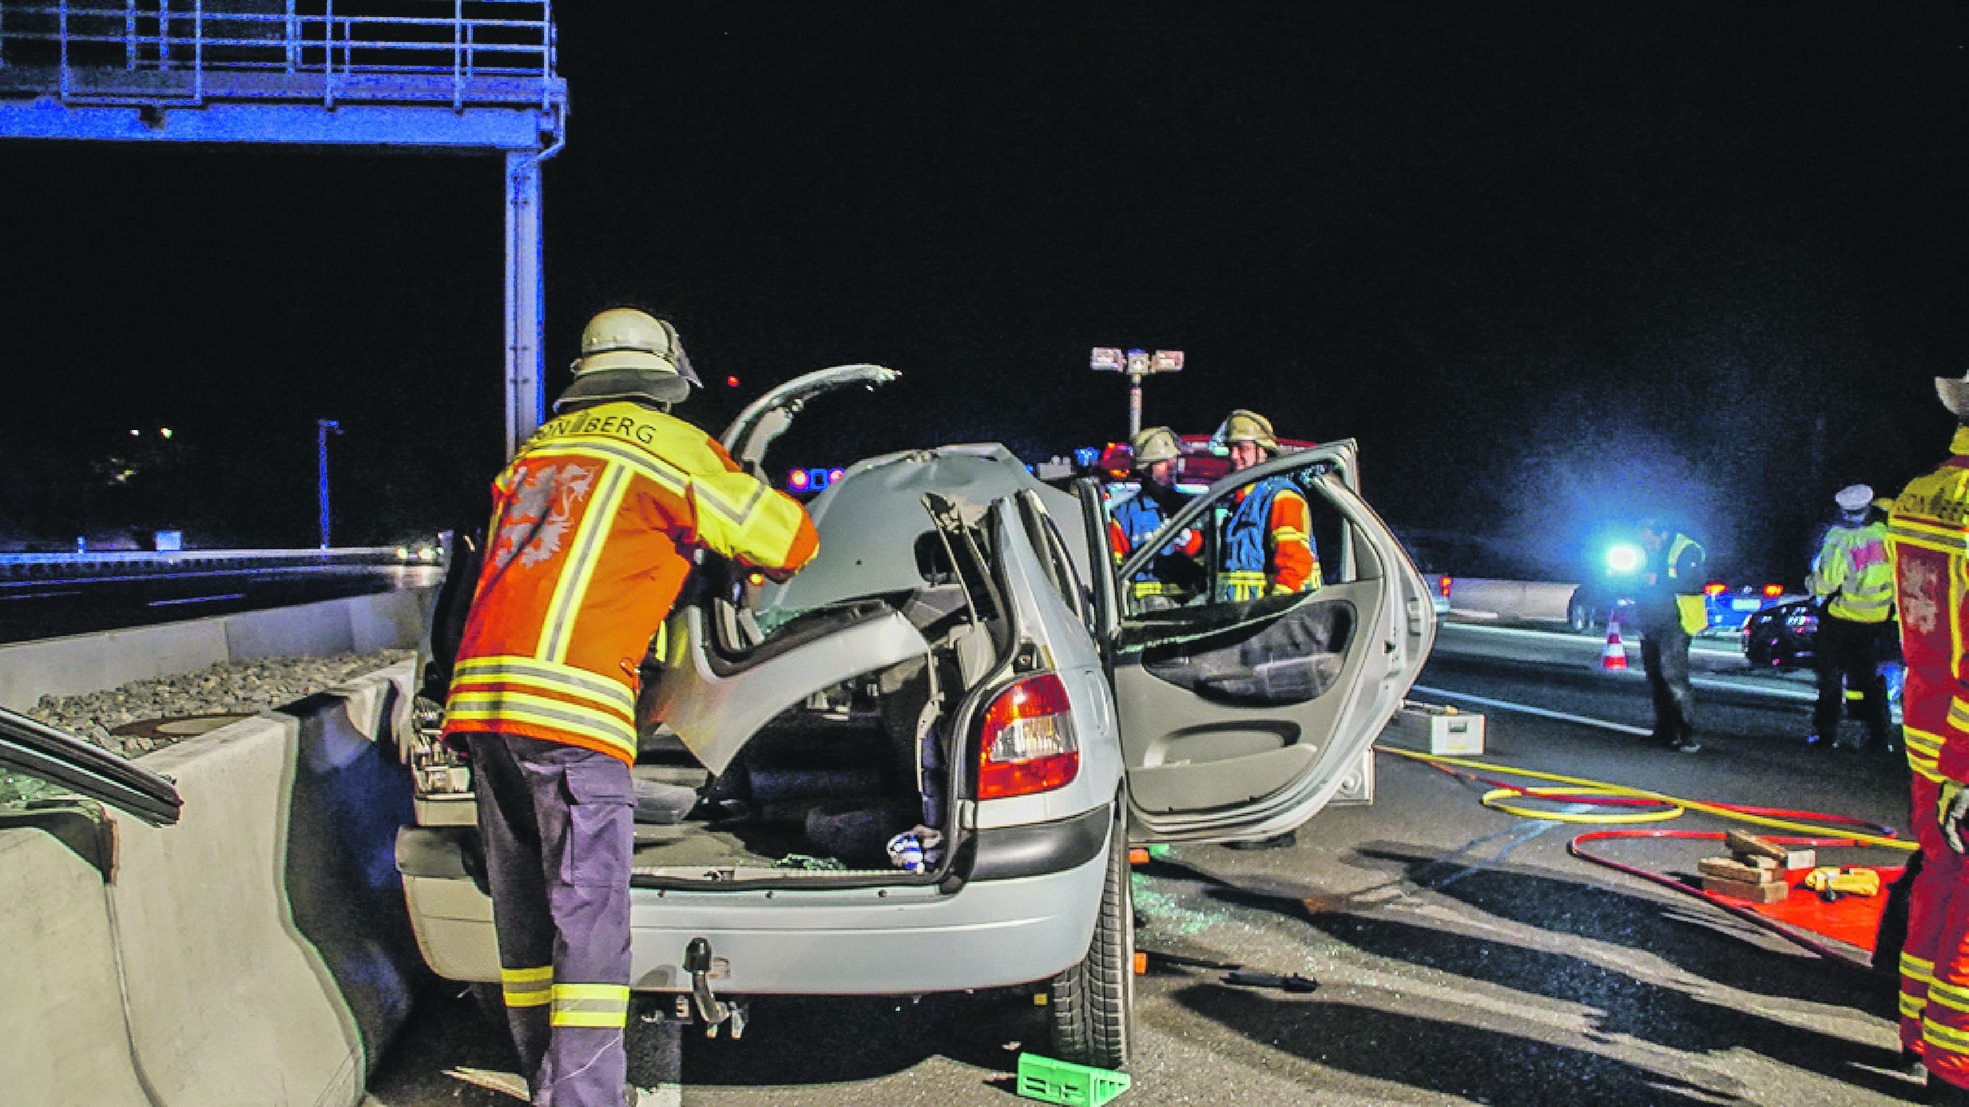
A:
[(1092, 1004)]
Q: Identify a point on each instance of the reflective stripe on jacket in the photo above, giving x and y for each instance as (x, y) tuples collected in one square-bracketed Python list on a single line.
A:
[(1852, 568), (1268, 545), (1133, 521), (593, 524), (1928, 546)]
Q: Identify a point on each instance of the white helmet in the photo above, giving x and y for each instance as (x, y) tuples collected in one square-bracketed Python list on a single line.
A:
[(1153, 444), (1248, 426), (628, 354)]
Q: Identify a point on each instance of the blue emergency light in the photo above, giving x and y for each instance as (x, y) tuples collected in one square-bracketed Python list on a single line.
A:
[(1623, 558), (1086, 457), (811, 480)]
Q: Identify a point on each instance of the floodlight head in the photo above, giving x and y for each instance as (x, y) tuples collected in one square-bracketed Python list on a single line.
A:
[(1107, 358)]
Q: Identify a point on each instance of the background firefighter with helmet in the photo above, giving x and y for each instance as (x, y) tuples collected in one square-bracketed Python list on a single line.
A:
[(1174, 575), (1851, 575), (1266, 546), (1928, 547), (593, 528)]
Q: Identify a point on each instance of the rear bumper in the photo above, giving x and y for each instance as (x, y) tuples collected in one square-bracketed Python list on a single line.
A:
[(875, 941)]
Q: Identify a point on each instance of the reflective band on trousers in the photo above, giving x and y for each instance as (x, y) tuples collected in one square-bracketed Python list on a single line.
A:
[(528, 987), (597, 1005)]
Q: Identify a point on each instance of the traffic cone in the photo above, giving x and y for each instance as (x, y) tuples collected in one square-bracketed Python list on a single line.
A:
[(1614, 657)]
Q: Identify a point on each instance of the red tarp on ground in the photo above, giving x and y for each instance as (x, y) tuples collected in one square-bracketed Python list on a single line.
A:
[(1853, 920)]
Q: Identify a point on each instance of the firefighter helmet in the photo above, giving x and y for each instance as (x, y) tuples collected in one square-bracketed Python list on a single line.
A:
[(629, 354), (1249, 426), (1152, 445)]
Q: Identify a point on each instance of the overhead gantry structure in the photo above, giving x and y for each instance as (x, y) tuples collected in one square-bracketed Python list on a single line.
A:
[(432, 74)]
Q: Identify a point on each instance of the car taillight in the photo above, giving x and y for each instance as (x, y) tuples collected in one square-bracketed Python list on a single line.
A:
[(1715, 588), (1774, 590), (1442, 587), (1028, 745)]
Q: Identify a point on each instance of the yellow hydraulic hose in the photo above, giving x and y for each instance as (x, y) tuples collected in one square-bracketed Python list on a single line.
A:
[(1672, 806)]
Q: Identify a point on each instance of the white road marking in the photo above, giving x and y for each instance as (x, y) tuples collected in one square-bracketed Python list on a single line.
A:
[(1527, 709), (196, 599)]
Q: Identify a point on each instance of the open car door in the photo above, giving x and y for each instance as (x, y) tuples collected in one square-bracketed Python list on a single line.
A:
[(1240, 720)]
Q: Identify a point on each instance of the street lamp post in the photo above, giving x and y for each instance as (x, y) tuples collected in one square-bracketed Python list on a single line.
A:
[(322, 429), (1137, 364)]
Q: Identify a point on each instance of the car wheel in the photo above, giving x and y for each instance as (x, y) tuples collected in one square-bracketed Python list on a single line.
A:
[(1093, 1003)]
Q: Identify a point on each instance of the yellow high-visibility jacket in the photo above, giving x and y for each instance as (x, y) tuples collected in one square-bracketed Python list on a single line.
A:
[(1852, 568), (593, 525)]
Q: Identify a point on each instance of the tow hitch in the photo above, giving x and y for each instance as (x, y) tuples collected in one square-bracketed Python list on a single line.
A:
[(697, 962)]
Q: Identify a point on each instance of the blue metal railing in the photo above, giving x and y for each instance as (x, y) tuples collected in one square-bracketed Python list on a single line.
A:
[(158, 51)]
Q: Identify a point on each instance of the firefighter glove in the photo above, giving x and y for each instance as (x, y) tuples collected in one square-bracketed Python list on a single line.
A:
[(1952, 811)]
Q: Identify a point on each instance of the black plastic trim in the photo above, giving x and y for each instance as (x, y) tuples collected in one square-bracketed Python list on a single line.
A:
[(1006, 853)]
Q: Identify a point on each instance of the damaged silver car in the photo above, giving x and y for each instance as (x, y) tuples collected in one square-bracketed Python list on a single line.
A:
[(917, 766)]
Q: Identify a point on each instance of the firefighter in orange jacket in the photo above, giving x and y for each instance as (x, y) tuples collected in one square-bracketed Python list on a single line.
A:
[(1267, 546), (593, 526), (1928, 544)]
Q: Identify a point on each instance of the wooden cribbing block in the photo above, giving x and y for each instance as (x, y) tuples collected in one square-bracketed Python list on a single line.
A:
[(1752, 845), (1730, 868), (1747, 846), (1769, 891)]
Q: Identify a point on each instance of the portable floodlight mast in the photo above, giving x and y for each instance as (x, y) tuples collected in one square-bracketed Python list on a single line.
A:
[(1137, 364)]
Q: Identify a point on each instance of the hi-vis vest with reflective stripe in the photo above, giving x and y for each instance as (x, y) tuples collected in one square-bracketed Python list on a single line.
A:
[(1928, 546), (1852, 568), (1267, 552), (593, 523), (1691, 610)]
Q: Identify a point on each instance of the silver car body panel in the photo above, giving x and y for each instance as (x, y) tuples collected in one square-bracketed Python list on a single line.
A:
[(715, 715), (1202, 770), (870, 941)]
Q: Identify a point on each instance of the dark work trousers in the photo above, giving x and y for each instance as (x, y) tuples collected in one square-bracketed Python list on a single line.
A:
[(1665, 656), (559, 825), (1848, 662)]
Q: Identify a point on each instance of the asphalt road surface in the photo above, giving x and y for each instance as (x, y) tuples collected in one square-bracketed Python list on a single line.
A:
[(1462, 954)]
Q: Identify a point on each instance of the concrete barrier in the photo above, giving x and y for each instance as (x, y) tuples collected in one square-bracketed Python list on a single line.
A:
[(62, 1020), (266, 956), (1528, 600), (85, 663)]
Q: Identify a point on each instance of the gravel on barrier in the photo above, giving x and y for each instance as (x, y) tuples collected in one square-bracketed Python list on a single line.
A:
[(234, 687)]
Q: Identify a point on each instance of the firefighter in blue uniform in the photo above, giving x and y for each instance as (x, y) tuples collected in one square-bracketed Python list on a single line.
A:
[(1173, 576)]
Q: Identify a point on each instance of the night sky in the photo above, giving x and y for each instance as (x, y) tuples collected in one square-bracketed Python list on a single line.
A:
[(1553, 264)]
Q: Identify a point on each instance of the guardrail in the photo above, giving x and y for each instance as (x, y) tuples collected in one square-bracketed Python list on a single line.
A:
[(95, 564)]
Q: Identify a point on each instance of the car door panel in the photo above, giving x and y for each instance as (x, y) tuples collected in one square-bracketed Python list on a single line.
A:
[(1241, 720)]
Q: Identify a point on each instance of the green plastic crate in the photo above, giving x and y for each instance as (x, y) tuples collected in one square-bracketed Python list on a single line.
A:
[(1051, 1081)]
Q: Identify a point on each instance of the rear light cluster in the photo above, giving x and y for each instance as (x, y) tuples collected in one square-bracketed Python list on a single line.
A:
[(1442, 586), (1028, 745), (1769, 591)]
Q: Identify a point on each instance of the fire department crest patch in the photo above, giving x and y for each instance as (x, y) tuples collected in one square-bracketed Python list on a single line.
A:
[(1919, 604), (544, 507)]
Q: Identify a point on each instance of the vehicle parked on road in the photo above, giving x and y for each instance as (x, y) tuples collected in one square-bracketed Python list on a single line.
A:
[(1784, 637), (917, 765)]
